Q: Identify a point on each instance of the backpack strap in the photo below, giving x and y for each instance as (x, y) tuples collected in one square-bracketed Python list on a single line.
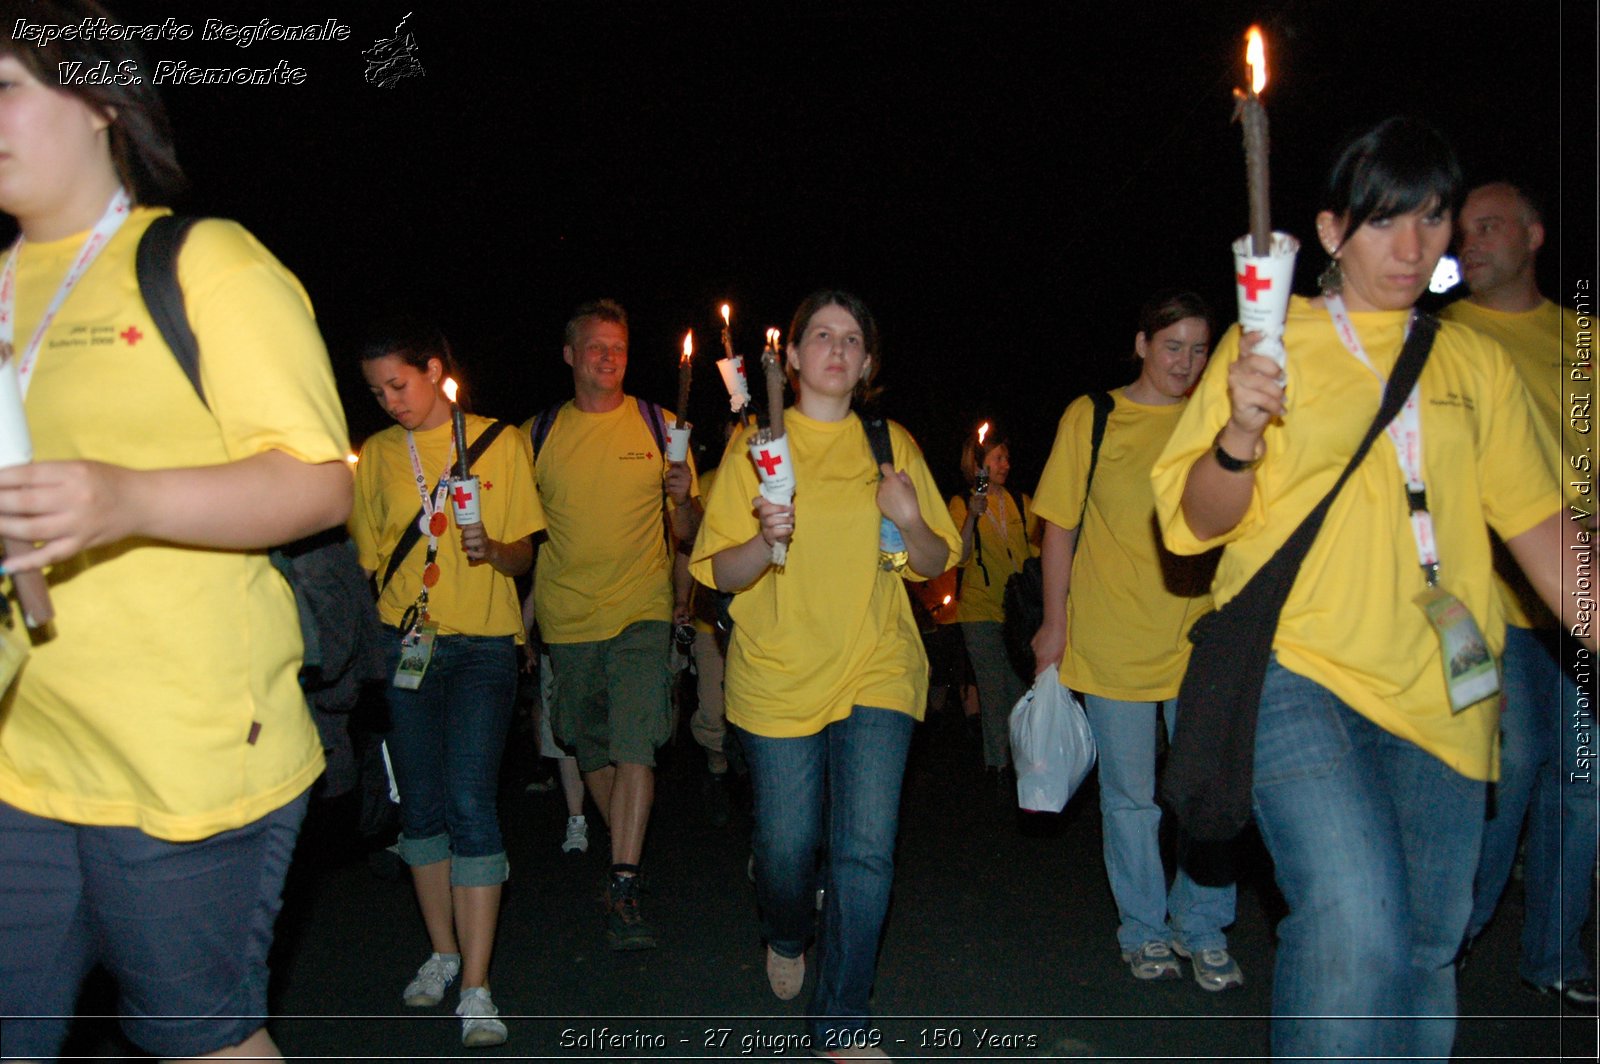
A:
[(543, 422), (878, 438), (1097, 433), (413, 532), (656, 418), (156, 264)]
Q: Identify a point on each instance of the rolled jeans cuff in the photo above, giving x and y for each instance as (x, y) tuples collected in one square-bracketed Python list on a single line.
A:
[(431, 850), (488, 871)]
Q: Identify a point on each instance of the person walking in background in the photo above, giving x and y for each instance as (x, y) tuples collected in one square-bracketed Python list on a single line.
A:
[(1117, 612), (449, 600), (994, 543), (1543, 776)]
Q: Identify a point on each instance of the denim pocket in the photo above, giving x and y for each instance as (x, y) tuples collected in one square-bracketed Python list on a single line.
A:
[(1299, 730)]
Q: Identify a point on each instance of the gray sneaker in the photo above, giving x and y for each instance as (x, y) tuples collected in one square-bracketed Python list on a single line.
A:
[(480, 1020), (1213, 969), (1153, 960), (436, 973), (577, 840)]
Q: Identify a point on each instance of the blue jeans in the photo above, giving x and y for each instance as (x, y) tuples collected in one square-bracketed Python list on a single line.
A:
[(446, 745), (1130, 819), (1547, 774), (1375, 843), (843, 781)]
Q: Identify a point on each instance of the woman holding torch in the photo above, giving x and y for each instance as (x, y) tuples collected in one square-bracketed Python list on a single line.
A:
[(454, 623), (156, 750), (1118, 608), (995, 541), (1370, 758), (826, 675)]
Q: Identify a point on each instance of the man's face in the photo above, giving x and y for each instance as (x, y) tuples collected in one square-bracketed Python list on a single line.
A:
[(599, 357), (1497, 243)]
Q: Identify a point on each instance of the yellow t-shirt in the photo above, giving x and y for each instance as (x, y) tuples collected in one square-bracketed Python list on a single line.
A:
[(604, 564), (1130, 602), (1542, 344), (1350, 624), (468, 599), (1000, 546), (140, 712), (830, 630)]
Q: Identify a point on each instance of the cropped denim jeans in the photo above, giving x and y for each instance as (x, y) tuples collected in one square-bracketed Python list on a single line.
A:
[(833, 798), (1125, 741), (1547, 778), (1375, 843), (445, 746)]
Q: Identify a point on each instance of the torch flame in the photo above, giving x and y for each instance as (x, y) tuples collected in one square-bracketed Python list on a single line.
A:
[(772, 339), (1255, 54), (450, 388), (725, 311), (688, 344), (946, 601), (983, 430)]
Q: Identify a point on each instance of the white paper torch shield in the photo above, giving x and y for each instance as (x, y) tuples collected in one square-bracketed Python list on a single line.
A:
[(678, 442), (1263, 285), (464, 501), (732, 371), (16, 447), (776, 473)]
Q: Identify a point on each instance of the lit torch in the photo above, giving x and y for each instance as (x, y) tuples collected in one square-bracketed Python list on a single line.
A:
[(458, 421), (683, 378), (1263, 260), (769, 448), (980, 484), (727, 331)]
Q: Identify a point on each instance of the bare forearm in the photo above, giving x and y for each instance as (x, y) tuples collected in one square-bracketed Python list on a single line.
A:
[(1055, 565), (1557, 555), (736, 568), (926, 554), (686, 521), (1215, 499), (511, 559)]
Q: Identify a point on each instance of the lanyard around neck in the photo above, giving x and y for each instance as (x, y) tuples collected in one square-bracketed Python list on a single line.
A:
[(116, 213), (1405, 432)]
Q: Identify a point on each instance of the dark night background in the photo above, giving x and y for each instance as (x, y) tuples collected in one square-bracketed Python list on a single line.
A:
[(1003, 183)]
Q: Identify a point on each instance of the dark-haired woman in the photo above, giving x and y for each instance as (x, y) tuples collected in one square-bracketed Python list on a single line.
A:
[(1121, 635), (156, 750), (826, 675), (1368, 789), (994, 544), (451, 603)]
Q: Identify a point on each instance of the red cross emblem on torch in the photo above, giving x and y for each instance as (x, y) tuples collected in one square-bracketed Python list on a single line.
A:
[(1253, 282), (461, 495), (769, 462)]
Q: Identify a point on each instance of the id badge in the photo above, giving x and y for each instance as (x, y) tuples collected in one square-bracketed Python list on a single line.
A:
[(1469, 668), (13, 652), (416, 650)]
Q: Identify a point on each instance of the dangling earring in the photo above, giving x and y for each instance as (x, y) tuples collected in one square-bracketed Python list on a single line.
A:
[(1331, 280)]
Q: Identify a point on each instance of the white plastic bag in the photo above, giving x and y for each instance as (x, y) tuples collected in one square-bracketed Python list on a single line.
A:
[(1051, 745)]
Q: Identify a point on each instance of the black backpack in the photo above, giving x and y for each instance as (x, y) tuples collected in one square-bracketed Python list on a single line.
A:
[(1023, 597), (338, 618)]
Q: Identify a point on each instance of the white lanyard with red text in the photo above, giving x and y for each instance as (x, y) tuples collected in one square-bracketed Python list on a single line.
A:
[(1470, 675), (417, 631), (115, 214), (1405, 432)]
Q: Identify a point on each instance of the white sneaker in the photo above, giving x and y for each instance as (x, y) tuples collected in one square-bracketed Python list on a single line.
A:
[(577, 840), (436, 973), (480, 1020)]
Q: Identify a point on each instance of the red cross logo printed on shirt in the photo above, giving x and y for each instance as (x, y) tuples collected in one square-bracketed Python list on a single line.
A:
[(132, 335), (769, 462), (461, 495), (1253, 282)]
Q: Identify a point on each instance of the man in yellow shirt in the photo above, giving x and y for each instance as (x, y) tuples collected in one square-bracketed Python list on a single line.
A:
[(1541, 775), (602, 591)]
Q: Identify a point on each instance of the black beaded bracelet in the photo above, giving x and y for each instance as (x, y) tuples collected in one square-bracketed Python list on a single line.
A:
[(1232, 464)]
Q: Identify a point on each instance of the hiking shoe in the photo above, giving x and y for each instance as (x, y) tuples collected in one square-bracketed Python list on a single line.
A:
[(1153, 960), (577, 840), (626, 928), (480, 1020), (1213, 968), (786, 975), (1577, 993), (436, 973)]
